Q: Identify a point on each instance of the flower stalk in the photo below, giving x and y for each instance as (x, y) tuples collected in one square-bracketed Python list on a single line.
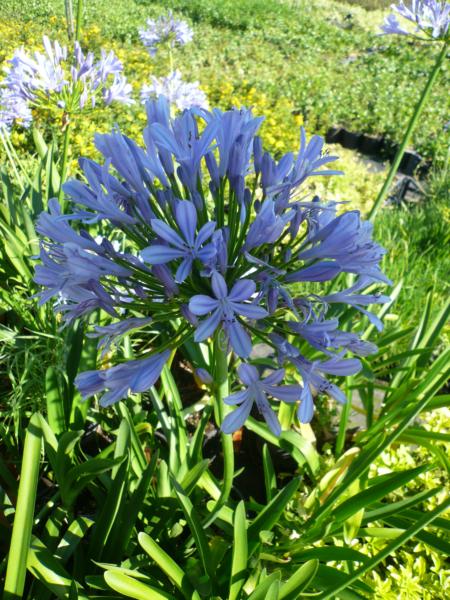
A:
[(65, 155), (220, 410), (79, 19), (411, 126)]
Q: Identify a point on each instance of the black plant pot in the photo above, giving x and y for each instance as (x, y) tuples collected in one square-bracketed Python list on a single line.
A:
[(409, 163), (424, 168), (388, 149), (350, 140), (334, 135), (370, 145)]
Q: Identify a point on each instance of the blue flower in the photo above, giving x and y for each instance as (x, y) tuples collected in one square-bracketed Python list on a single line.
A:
[(429, 17), (257, 391), (181, 93), (56, 80), (133, 376), (226, 308), (165, 29), (348, 241), (109, 333), (189, 236), (189, 249)]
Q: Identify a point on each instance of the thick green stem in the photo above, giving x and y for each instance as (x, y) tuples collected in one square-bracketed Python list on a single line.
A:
[(69, 18), (79, 19), (23, 520), (65, 154), (220, 409), (411, 126), (345, 414)]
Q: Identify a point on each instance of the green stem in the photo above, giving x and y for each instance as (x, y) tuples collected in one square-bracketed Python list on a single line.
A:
[(69, 18), (23, 519), (345, 414), (411, 126), (79, 19), (65, 154), (171, 64), (220, 410)]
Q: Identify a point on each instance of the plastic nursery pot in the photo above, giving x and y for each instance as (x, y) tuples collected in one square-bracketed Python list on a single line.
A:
[(350, 140), (334, 135), (424, 168), (371, 145), (410, 162), (388, 149)]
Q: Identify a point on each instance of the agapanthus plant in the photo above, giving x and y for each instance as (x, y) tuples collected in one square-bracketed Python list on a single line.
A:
[(431, 19), (207, 238), (61, 81), (165, 30), (427, 18)]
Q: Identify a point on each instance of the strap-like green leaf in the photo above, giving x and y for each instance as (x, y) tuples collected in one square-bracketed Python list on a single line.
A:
[(375, 493), (299, 581), (270, 514), (240, 552), (168, 565), (131, 588), (23, 518)]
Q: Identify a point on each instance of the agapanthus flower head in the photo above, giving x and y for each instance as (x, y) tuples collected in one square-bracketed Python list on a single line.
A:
[(59, 80), (165, 30), (429, 18), (180, 93), (204, 237)]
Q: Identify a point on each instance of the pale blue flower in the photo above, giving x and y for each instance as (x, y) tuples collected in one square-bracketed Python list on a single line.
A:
[(182, 94), (190, 247), (256, 391), (117, 382), (226, 308), (429, 17), (165, 29)]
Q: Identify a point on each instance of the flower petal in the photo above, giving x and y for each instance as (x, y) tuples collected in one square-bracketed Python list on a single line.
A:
[(287, 393), (219, 286), (239, 339), (242, 290), (248, 374), (306, 409), (208, 326), (184, 269), (159, 255), (251, 311), (237, 397), (205, 233), (202, 305), (187, 220), (237, 418), (165, 232), (275, 377)]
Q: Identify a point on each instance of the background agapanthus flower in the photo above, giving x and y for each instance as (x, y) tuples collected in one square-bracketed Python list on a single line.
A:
[(205, 238), (429, 17), (57, 79), (163, 30), (181, 93)]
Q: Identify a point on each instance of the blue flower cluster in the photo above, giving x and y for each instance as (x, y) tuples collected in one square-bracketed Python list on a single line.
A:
[(204, 234), (165, 29), (429, 17), (59, 80), (182, 94)]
